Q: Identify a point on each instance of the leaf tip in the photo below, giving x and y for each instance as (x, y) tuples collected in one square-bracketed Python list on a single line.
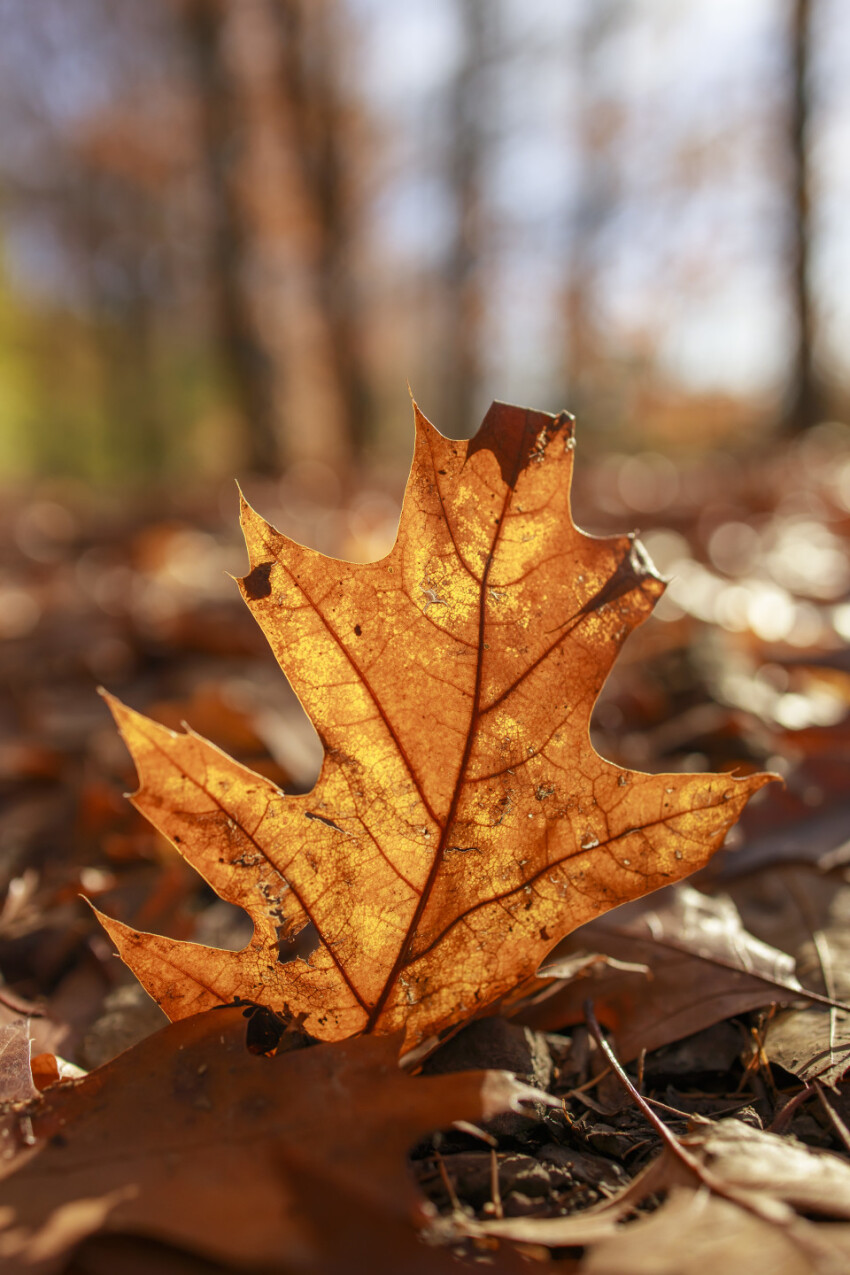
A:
[(421, 423), (247, 512), (756, 779), (122, 715), (119, 933)]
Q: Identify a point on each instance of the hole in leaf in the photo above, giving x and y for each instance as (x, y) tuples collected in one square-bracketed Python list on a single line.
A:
[(257, 583), (300, 946)]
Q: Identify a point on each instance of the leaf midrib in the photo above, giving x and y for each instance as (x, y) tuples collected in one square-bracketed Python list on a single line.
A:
[(424, 899)]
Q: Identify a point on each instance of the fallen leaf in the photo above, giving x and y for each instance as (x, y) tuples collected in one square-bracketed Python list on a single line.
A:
[(462, 822), (673, 966), (50, 1069), (687, 1235), (133, 1255), (753, 1193), (45, 1071), (794, 832), (16, 1082), (694, 1232), (189, 1139), (808, 911), (810, 1180)]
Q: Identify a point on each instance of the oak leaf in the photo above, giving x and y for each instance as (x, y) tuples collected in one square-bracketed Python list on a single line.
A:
[(462, 822)]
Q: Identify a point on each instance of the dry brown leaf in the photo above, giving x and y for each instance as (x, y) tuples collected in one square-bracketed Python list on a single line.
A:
[(808, 911), (759, 1185), (810, 1180), (694, 1232), (16, 1082), (462, 822), (190, 1139), (692, 964), (753, 1192)]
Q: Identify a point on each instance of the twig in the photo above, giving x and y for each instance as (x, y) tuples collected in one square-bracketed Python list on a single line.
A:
[(658, 1125), (832, 1115), (495, 1190), (696, 1115), (674, 1111), (588, 1084), (783, 1116), (448, 1184), (742, 1198)]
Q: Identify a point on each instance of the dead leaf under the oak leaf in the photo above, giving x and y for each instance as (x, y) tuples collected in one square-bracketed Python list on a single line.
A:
[(190, 1139), (696, 965), (462, 822), (808, 912)]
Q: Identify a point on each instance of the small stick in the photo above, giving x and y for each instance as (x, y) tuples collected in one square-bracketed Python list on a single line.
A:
[(834, 1118), (641, 1064), (743, 1199), (448, 1184), (674, 1111), (695, 1115), (495, 1192), (588, 1084), (782, 1117), (658, 1125)]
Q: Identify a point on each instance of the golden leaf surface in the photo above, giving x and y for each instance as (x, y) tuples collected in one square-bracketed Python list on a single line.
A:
[(462, 822)]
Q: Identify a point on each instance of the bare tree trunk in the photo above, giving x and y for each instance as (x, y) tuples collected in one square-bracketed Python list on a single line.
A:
[(248, 361), (461, 345), (311, 34), (805, 398), (593, 200)]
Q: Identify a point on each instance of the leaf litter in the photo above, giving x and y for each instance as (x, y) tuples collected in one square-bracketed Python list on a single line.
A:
[(592, 1168)]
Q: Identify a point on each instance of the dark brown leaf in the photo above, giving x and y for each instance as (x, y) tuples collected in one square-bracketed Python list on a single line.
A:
[(809, 913), (190, 1139), (696, 965)]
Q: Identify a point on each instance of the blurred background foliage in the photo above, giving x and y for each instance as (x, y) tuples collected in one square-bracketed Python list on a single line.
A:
[(231, 232)]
